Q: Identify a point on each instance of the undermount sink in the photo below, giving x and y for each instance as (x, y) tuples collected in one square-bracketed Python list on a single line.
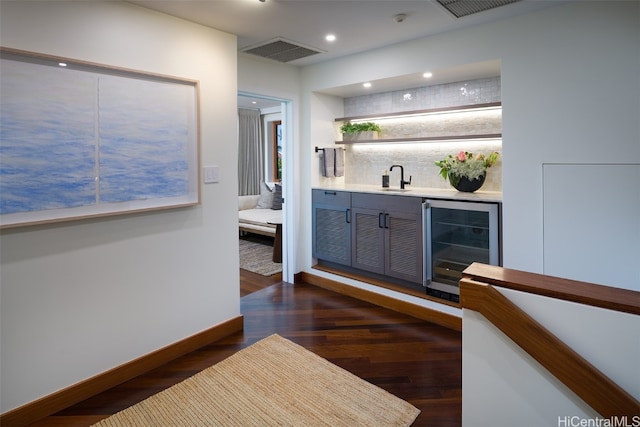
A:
[(396, 190)]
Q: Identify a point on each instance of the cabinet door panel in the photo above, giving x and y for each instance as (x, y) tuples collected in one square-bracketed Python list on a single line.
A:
[(404, 247), (368, 238), (332, 234), (331, 226)]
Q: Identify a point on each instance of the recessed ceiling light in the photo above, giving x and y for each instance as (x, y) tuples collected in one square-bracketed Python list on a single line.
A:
[(427, 75), (367, 84), (62, 64), (330, 37)]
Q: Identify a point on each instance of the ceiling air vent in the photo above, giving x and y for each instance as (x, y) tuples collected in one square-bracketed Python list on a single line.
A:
[(281, 50), (460, 8)]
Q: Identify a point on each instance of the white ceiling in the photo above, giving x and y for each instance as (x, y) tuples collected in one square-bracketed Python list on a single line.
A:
[(359, 25)]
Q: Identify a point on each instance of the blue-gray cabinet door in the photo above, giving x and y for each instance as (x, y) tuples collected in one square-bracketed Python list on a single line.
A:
[(368, 239), (387, 235), (403, 244), (331, 222)]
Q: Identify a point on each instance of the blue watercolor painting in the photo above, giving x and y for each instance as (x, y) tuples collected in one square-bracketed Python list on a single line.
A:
[(47, 138), (143, 140), (74, 138)]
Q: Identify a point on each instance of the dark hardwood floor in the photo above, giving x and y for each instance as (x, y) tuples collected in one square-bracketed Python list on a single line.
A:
[(251, 282), (415, 360)]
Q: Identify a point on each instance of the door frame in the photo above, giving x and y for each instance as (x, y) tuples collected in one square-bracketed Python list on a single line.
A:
[(288, 183)]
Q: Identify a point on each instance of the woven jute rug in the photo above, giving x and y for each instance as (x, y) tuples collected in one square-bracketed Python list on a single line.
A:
[(272, 382)]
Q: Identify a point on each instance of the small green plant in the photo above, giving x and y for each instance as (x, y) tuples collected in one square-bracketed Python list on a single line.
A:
[(352, 128)]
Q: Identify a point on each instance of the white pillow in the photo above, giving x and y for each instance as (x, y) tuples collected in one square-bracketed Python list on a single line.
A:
[(266, 197)]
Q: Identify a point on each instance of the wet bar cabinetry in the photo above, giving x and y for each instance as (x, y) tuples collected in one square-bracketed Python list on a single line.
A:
[(417, 243), (375, 233)]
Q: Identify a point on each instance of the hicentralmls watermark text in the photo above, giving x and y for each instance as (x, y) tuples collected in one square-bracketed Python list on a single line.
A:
[(576, 421)]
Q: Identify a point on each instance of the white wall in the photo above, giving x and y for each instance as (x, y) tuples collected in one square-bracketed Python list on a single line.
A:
[(575, 196), (568, 97), (81, 297)]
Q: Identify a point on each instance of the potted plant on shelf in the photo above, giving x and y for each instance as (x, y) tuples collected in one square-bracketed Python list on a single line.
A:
[(466, 171), (359, 131)]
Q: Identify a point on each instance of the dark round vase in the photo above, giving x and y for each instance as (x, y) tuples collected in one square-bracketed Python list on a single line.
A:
[(469, 185)]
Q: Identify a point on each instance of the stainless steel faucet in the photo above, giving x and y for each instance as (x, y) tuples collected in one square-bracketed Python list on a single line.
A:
[(402, 181)]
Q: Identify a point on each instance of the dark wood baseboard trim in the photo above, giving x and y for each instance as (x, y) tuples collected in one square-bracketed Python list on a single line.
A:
[(415, 310), (48, 405)]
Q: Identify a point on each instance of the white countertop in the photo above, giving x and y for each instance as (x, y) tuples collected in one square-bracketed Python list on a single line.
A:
[(436, 193)]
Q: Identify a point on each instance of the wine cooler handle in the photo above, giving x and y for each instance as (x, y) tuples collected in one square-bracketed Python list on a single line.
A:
[(426, 244)]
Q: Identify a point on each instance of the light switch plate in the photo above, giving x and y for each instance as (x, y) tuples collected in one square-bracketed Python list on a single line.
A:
[(211, 174)]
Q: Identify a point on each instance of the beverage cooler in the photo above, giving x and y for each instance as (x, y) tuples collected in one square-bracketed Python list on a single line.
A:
[(456, 235)]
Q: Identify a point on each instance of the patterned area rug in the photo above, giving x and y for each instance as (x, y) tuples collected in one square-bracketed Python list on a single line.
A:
[(272, 382), (256, 254)]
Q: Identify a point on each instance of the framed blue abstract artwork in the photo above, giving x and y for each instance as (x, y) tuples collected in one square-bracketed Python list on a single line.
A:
[(80, 140)]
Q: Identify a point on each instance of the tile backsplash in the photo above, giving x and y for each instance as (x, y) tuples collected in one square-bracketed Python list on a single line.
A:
[(365, 163)]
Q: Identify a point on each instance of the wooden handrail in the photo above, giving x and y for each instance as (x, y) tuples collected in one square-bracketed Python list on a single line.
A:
[(624, 300), (585, 380)]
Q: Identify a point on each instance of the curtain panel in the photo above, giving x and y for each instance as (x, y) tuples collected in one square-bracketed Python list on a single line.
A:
[(250, 152)]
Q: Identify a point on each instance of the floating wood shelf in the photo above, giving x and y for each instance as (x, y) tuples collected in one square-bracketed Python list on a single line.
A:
[(422, 139), (426, 126)]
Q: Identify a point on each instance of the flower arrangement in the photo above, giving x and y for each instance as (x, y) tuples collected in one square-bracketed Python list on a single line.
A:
[(465, 164)]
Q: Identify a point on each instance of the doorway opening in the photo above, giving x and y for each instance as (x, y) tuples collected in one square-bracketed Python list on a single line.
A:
[(263, 249)]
